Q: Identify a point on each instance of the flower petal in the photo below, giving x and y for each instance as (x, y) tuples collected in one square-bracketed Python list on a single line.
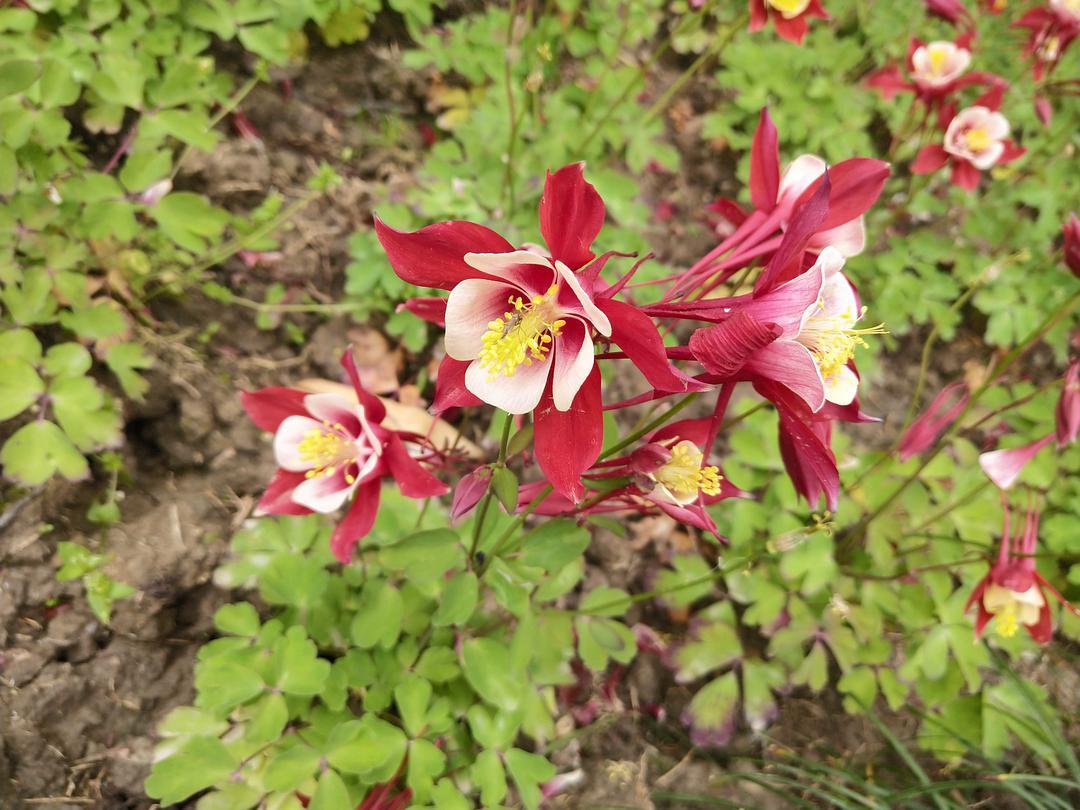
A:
[(930, 159), (635, 333), (574, 359), (593, 313), (333, 408), (765, 164), (269, 407), (373, 408), (571, 215), (450, 390), (841, 387), (724, 349), (798, 176), (524, 268), (1003, 467), (788, 304), (325, 494), (357, 522), (277, 498), (791, 364), (287, 442), (412, 479), (472, 305), (849, 239), (518, 393), (567, 443), (435, 256), (806, 220)]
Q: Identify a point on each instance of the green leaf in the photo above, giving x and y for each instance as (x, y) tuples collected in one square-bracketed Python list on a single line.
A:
[(87, 417), (268, 720), (199, 763), (189, 219), (425, 555), (861, 685), (554, 544), (187, 721), (296, 659), (814, 670), (600, 639), (39, 450), (458, 600), (67, 360), (95, 322), (378, 616), (20, 386), (238, 619), (489, 671), (529, 771), (487, 772), (714, 645), (223, 684), (191, 126), (120, 80), (438, 665), (102, 591), (605, 601), (412, 696), (293, 580), (426, 763), (142, 169), (17, 75), (331, 794), (713, 710), (20, 343), (370, 747), (291, 768), (125, 360), (9, 170), (76, 561), (505, 485)]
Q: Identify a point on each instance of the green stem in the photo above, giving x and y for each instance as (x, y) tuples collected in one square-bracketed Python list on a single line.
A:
[(508, 170), (485, 504), (235, 100), (650, 427)]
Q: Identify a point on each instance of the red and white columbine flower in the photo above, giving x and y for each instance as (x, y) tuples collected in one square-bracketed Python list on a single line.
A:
[(938, 64), (935, 70), (1013, 592), (789, 17), (520, 324), (329, 450), (976, 139), (528, 321)]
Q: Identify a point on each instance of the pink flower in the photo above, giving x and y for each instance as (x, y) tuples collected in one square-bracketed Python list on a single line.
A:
[(938, 64), (935, 71), (976, 139), (1067, 413), (847, 238), (330, 450), (1051, 29), (926, 430), (1071, 232), (1003, 467), (1013, 592), (520, 324), (789, 17), (949, 10)]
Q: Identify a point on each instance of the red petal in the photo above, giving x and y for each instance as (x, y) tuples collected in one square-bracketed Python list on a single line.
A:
[(791, 364), (435, 256), (793, 30), (635, 334), (759, 15), (930, 159), (450, 390), (724, 349), (804, 447), (764, 164), (571, 215), (567, 443), (888, 82), (277, 499), (374, 409), (806, 220), (412, 479), (925, 430), (1013, 151), (269, 407), (965, 176), (993, 97), (693, 430), (1043, 630), (855, 185), (357, 521), (430, 309)]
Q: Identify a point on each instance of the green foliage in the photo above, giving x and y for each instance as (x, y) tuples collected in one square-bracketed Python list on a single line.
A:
[(102, 591)]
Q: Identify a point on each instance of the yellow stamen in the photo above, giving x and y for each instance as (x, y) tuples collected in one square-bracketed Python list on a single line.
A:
[(684, 476), (937, 61), (977, 140), (1006, 622), (789, 8), (522, 335), (832, 341), (324, 448)]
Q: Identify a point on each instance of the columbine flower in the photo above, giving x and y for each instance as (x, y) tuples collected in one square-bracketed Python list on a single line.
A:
[(1071, 231), (789, 17), (1003, 467), (942, 412), (1067, 412), (1051, 29), (802, 334), (1013, 593), (975, 140), (952, 11), (520, 324), (330, 450), (938, 64)]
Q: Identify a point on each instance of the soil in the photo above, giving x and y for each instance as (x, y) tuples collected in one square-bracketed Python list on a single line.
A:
[(79, 701)]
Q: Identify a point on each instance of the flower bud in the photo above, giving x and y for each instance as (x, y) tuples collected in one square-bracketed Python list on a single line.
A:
[(1071, 230), (1067, 414)]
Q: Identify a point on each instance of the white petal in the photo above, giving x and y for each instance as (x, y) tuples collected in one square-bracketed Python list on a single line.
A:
[(509, 267), (287, 441), (332, 408), (841, 387), (840, 302), (592, 312), (997, 126), (519, 393), (472, 305), (798, 176), (987, 157), (324, 494), (849, 239), (574, 358)]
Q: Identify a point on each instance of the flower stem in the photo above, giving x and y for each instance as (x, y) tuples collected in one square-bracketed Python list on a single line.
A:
[(650, 427), (485, 504)]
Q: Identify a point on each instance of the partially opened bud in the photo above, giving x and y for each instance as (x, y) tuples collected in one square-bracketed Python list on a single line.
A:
[(1071, 230), (926, 430), (469, 491), (1068, 407), (1003, 467), (951, 10)]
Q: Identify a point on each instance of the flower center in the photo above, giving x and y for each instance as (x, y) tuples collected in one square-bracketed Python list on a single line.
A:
[(977, 140), (1011, 609), (325, 448), (832, 340), (789, 8), (683, 474), (522, 335), (1050, 49), (938, 57)]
